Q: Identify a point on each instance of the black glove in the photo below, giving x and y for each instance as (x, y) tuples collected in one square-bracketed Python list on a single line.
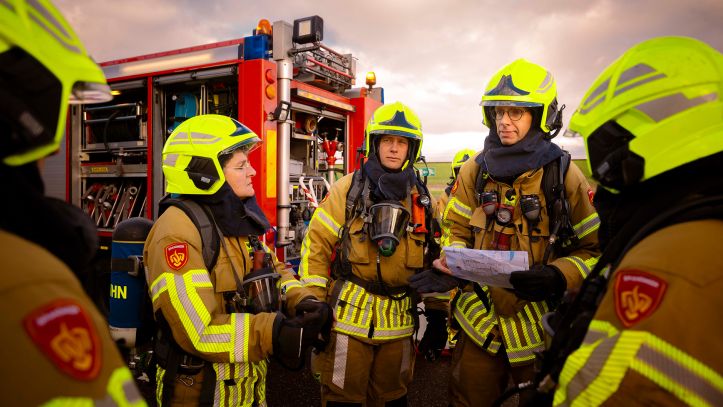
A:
[(435, 335), (292, 337), (310, 305), (539, 283), (432, 281)]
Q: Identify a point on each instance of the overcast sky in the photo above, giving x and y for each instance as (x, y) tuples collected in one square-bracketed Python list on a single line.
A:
[(435, 56)]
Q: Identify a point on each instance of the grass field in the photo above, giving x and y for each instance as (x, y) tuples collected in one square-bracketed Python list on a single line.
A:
[(438, 182)]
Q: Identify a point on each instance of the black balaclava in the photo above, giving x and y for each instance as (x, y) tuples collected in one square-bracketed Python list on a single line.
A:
[(530, 153), (622, 215), (234, 216), (63, 229), (387, 184)]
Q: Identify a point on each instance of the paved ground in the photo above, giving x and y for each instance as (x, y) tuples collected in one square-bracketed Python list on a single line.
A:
[(285, 388), (429, 388)]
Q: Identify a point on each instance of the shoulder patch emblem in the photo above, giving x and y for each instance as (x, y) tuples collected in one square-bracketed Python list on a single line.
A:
[(637, 295), (177, 255), (454, 187), (590, 195), (64, 332)]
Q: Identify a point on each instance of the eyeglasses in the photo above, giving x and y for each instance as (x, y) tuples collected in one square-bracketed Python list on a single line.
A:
[(515, 113)]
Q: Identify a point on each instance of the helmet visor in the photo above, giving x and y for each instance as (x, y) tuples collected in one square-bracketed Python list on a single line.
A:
[(508, 103), (89, 92), (247, 146)]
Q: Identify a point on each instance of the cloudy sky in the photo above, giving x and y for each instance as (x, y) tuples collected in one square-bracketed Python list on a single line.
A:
[(435, 56)]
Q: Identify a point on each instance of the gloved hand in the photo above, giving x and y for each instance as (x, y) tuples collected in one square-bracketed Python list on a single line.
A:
[(311, 305), (432, 281), (291, 338), (435, 335), (539, 283)]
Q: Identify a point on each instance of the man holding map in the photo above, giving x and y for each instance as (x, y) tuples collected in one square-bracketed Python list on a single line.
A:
[(527, 213)]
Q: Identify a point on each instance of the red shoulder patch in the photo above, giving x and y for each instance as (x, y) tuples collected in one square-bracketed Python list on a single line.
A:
[(590, 195), (177, 255), (637, 295), (64, 332), (454, 187)]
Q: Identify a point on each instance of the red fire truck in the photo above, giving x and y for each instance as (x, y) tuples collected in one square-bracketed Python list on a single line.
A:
[(296, 93)]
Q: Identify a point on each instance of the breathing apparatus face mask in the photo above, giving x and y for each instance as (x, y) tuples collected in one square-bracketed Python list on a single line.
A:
[(261, 292), (389, 221)]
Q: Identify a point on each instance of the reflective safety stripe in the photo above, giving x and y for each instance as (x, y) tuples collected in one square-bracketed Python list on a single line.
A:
[(599, 330), (49, 19), (594, 372), (546, 83), (314, 281), (522, 334), (627, 85), (195, 318), (598, 96), (121, 388), (160, 374), (158, 287), (194, 138), (662, 108), (340, 354), (330, 225), (583, 266), (406, 351), (476, 321), (458, 207), (304, 271), (240, 384), (289, 284), (587, 225), (356, 310), (320, 215)]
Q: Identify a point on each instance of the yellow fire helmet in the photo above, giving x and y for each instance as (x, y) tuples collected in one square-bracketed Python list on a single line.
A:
[(657, 107), (43, 67), (191, 153), (395, 119), (460, 158), (523, 83)]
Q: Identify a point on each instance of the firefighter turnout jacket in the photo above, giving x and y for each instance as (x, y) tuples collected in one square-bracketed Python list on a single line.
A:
[(369, 317), (191, 299), (655, 339), (493, 316), (57, 349), (439, 214)]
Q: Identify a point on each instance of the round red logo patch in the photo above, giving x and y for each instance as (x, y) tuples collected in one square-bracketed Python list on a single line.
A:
[(177, 255), (590, 195), (65, 334), (637, 295)]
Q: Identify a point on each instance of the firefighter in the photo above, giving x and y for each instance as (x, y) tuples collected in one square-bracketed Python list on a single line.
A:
[(459, 158), (357, 255), (653, 129), (500, 202), (56, 348), (437, 332), (218, 325)]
